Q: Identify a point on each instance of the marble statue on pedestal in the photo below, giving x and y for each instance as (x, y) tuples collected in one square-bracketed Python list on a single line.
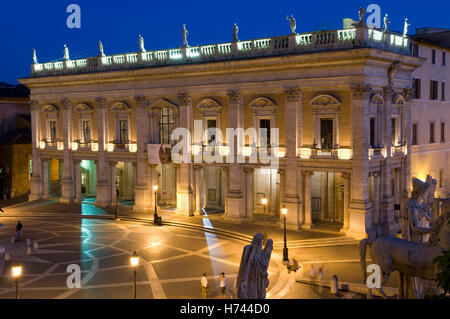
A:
[(235, 33), (185, 34), (100, 48), (361, 13), (386, 23), (252, 279), (423, 240), (66, 53), (405, 27), (141, 44), (34, 57), (292, 23)]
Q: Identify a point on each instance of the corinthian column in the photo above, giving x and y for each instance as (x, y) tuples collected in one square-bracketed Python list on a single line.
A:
[(103, 185), (36, 182), (67, 193), (142, 195), (249, 178), (185, 193), (360, 208), (307, 200), (291, 200)]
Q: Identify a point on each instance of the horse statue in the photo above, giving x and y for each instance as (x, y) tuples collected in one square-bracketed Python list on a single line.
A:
[(407, 257)]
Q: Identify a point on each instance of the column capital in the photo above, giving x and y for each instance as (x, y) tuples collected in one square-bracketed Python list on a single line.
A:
[(234, 96), (249, 170), (360, 91), (67, 103), (292, 94), (102, 104), (141, 101), (307, 172), (197, 166), (35, 106), (282, 171), (112, 163), (185, 99)]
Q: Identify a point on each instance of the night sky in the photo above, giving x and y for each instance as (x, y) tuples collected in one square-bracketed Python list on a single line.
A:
[(42, 24)]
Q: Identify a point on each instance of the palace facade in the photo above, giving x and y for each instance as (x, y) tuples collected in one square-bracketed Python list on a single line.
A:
[(333, 95)]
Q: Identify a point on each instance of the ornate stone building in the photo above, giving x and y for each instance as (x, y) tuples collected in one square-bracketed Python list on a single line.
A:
[(333, 95)]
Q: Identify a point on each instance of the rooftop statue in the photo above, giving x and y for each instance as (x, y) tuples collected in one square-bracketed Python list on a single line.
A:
[(141, 44), (386, 23), (361, 13), (185, 34), (405, 27), (235, 33), (100, 48), (292, 23), (252, 279), (412, 256), (66, 53), (34, 57)]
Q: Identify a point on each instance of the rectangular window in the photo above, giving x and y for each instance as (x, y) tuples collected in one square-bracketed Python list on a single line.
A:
[(443, 91), (326, 133), (433, 56), (444, 58), (432, 132), (264, 133), (166, 126), (414, 134), (86, 131), (442, 131), (52, 131), (433, 90), (441, 178), (123, 127), (372, 132), (415, 50), (393, 130), (212, 125), (416, 88)]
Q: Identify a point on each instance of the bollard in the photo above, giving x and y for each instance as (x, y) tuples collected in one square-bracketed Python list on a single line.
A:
[(334, 285), (28, 241), (28, 250), (6, 256), (35, 244)]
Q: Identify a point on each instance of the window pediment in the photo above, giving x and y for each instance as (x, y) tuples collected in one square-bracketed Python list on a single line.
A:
[(324, 100), (83, 108), (376, 99), (50, 108), (398, 100), (120, 107), (162, 102), (209, 105), (262, 103)]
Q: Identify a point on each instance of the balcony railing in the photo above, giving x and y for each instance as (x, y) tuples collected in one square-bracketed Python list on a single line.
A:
[(298, 43), (333, 153)]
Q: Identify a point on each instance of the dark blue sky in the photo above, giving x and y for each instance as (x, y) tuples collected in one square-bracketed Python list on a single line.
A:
[(27, 24)]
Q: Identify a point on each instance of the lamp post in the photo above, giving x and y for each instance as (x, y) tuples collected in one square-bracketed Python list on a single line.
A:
[(155, 217), (116, 213), (17, 273), (264, 203), (285, 249), (134, 261)]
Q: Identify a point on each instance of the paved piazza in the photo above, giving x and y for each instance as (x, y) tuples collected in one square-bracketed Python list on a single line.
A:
[(172, 259)]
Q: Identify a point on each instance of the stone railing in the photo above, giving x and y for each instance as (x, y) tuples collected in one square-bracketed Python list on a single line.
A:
[(317, 153), (357, 37)]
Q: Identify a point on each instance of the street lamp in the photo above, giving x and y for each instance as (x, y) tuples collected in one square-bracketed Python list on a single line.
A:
[(134, 261), (264, 203), (155, 217), (285, 249), (17, 273), (116, 213)]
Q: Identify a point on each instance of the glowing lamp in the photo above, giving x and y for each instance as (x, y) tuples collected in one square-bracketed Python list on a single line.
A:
[(155, 187), (284, 211), (94, 147), (224, 150), (132, 147), (74, 146), (264, 201), (60, 146), (280, 152), (42, 144), (134, 259), (344, 153), (110, 147), (17, 271), (305, 153)]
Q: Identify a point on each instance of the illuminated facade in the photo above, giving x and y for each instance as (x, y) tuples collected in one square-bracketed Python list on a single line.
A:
[(333, 95)]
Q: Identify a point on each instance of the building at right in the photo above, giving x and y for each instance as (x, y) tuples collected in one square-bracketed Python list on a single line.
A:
[(430, 117)]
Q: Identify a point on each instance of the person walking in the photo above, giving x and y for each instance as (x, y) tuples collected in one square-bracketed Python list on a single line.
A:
[(222, 284), (19, 227), (205, 285)]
